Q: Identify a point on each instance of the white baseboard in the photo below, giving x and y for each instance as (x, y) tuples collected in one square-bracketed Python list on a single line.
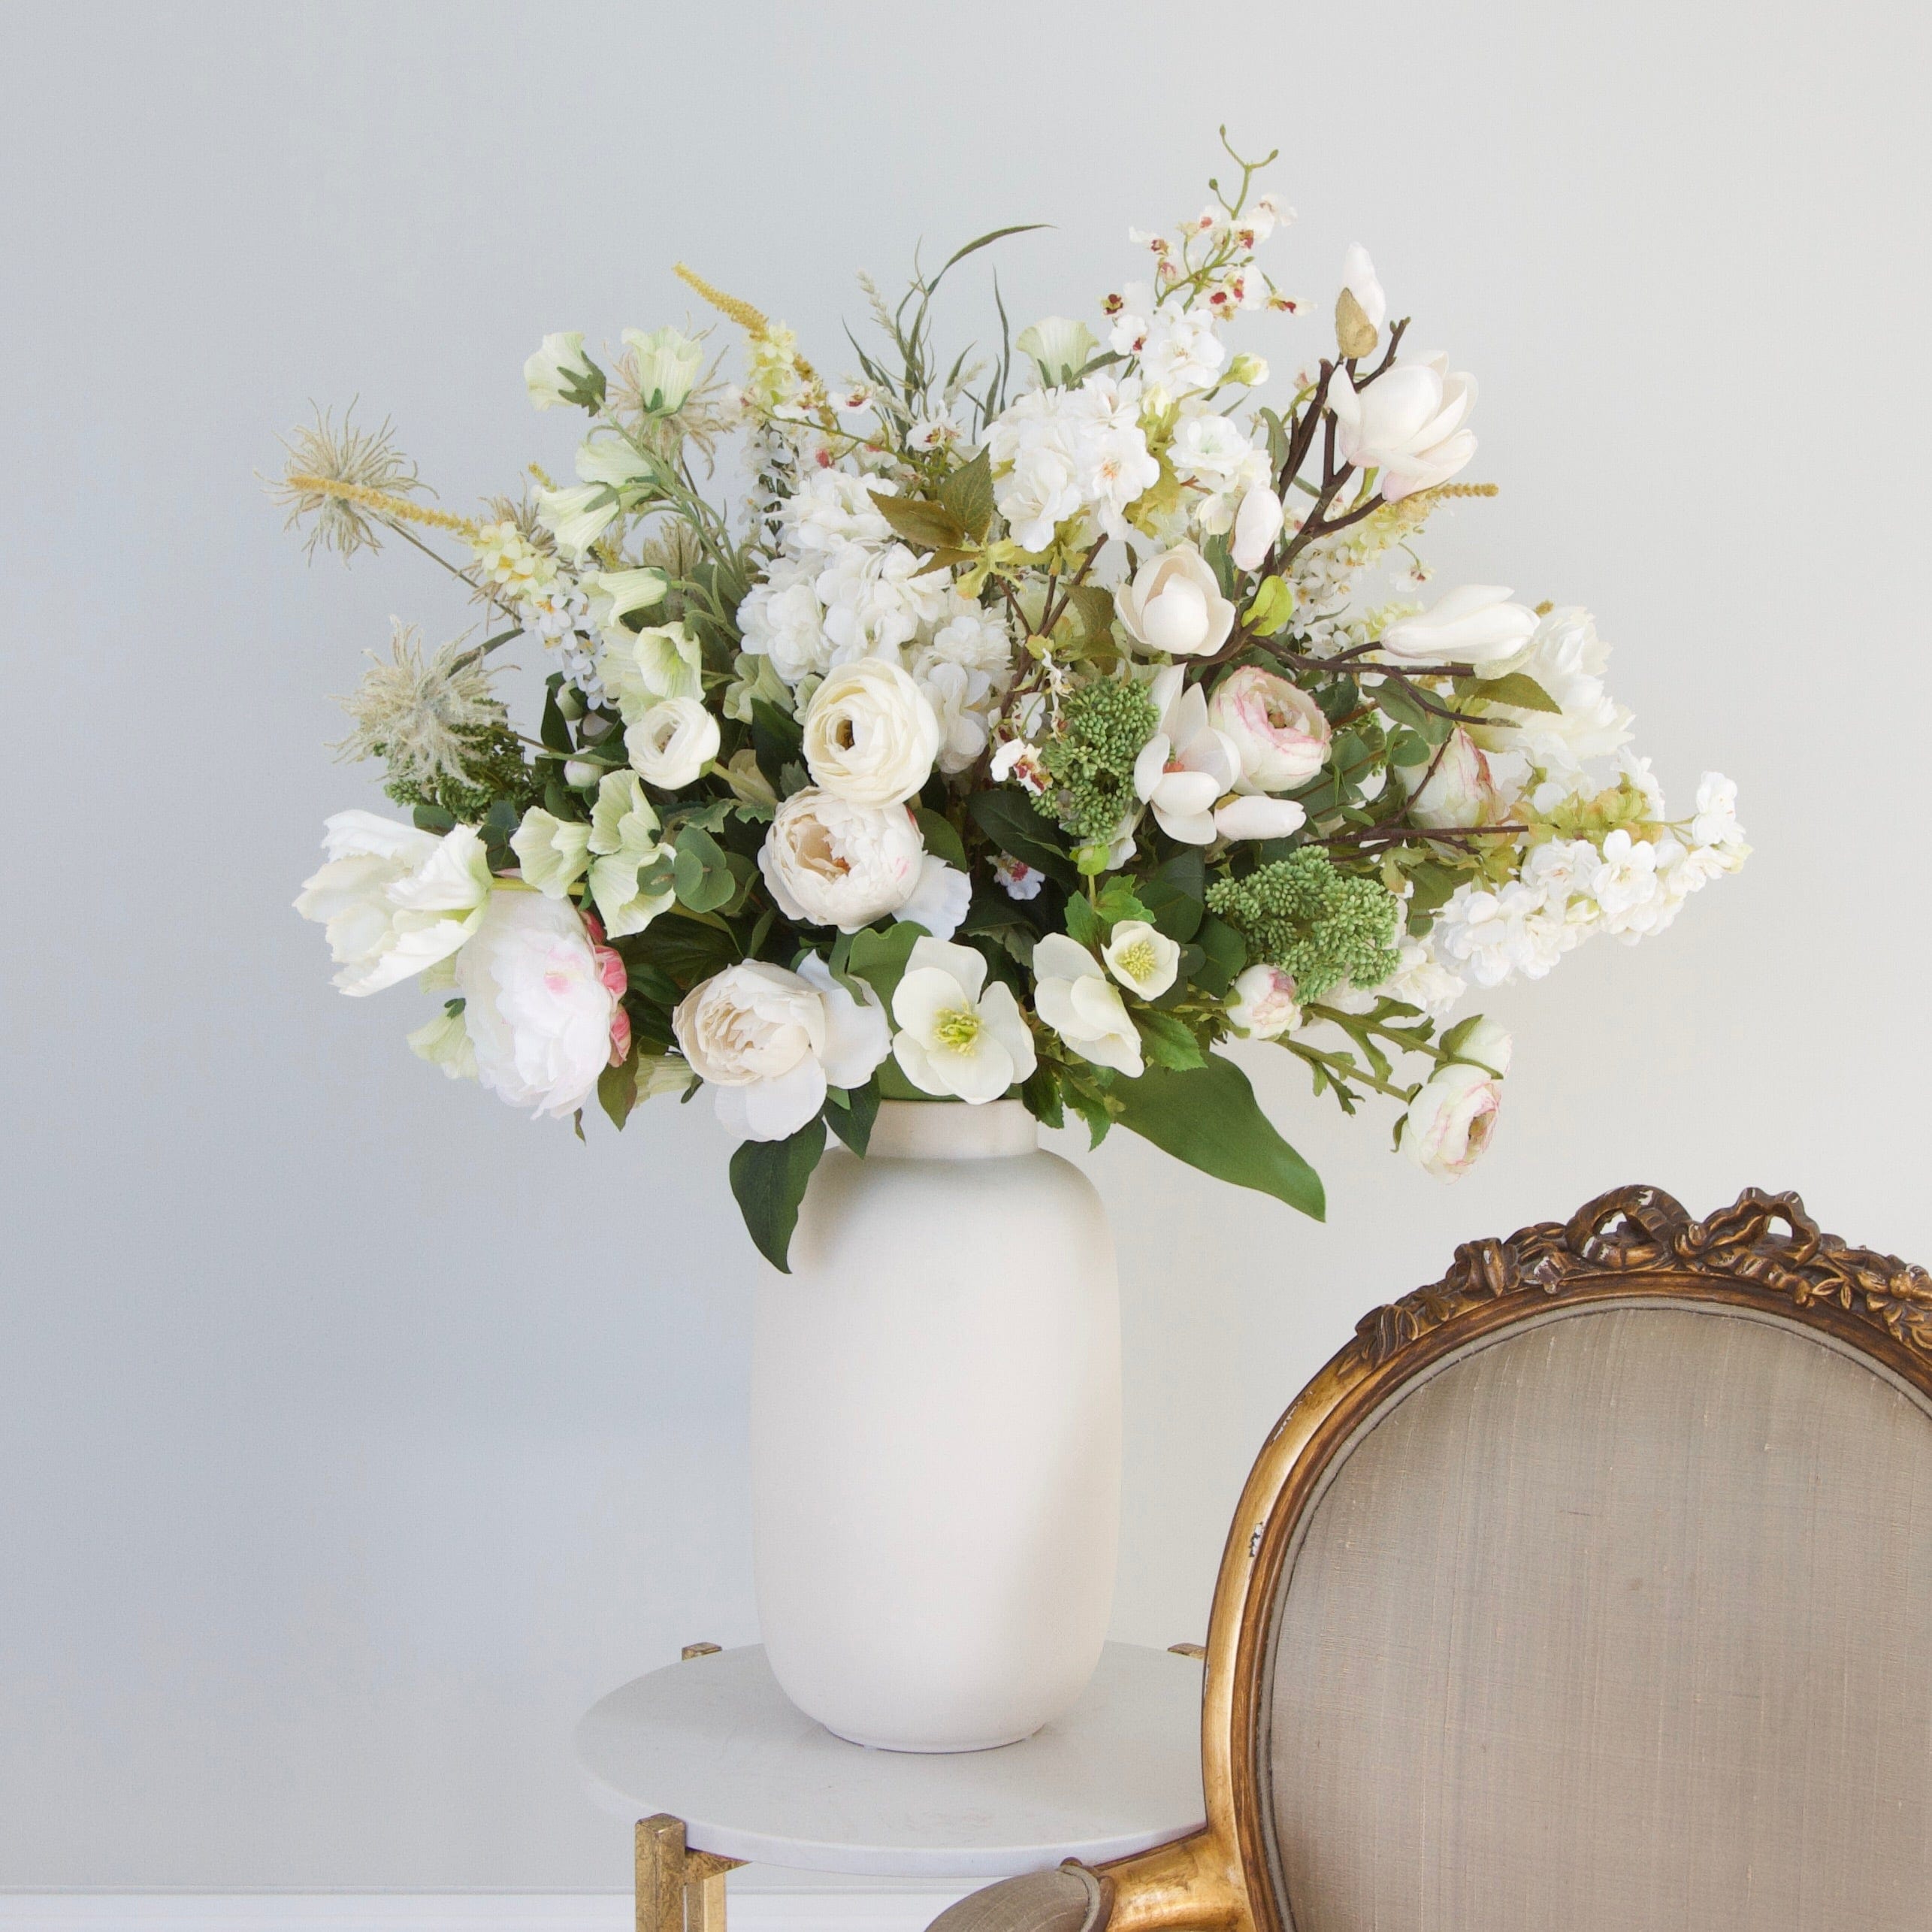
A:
[(756, 1905)]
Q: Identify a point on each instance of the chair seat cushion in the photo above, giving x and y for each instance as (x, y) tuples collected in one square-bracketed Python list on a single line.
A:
[(1069, 1899)]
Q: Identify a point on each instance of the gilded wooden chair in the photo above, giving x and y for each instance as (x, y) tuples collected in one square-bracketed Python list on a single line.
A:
[(1589, 1588)]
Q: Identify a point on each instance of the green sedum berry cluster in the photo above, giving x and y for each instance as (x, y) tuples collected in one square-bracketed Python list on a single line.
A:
[(1091, 762), (1316, 924)]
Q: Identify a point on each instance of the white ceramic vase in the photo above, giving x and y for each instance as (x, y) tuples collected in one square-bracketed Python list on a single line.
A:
[(935, 1435)]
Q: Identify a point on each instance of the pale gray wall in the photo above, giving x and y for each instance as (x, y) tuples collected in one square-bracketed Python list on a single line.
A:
[(355, 1433)]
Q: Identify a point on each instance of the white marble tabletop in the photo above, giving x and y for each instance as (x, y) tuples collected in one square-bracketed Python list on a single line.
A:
[(714, 1741)]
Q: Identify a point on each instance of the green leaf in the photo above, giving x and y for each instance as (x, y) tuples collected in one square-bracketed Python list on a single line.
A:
[(775, 738), (986, 240), (1408, 748), (1208, 1116), (684, 950), (967, 494), (1009, 821), (1515, 688), (1168, 1041), (1226, 953), (554, 731), (700, 873), (768, 1177), (853, 1122), (1397, 702), (1094, 607), (1176, 897), (1083, 923), (941, 840), (617, 1090), (1118, 901), (925, 526), (879, 958), (1041, 1096)]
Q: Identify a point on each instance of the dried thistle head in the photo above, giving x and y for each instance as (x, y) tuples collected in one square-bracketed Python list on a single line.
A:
[(672, 546), (347, 457), (427, 719)]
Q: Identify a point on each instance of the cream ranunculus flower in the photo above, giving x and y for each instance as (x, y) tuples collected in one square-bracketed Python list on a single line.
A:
[(1073, 995), (1257, 524), (1475, 624), (538, 1007), (1263, 1004), (1449, 1122), (395, 899), (623, 838), (667, 361), (561, 373), (770, 1042), (956, 1035), (828, 861), (552, 853), (870, 735), (673, 742), (1174, 604), (1141, 958), (1408, 424), (1276, 729)]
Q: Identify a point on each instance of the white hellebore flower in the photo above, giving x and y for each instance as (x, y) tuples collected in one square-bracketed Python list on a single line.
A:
[(1408, 424), (771, 1041), (956, 1035), (1174, 604), (1262, 1003), (673, 742), (395, 899), (1141, 958), (1276, 729), (561, 373), (828, 861), (870, 735), (1449, 1122), (1257, 524), (667, 362), (1073, 995), (1475, 624), (537, 1006)]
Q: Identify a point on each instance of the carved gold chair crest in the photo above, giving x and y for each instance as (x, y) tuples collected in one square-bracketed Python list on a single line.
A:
[(1589, 1588)]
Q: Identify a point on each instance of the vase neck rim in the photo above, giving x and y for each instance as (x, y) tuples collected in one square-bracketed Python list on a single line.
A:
[(951, 1130)]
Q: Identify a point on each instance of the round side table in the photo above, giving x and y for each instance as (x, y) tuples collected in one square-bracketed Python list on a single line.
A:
[(722, 1770)]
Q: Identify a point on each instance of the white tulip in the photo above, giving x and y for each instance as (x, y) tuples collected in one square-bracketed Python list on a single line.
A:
[(1408, 424), (870, 735), (1262, 1003), (552, 853), (1141, 958), (827, 862), (666, 362), (770, 1042), (1476, 624), (1449, 1122), (538, 1005), (394, 900), (672, 742), (1359, 279), (1257, 524), (1187, 765), (1278, 731), (561, 373), (1073, 995), (1174, 604), (958, 1035)]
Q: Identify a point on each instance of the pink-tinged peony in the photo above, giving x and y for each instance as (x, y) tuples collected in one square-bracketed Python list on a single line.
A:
[(1277, 730), (1262, 1003), (1460, 791), (541, 1009), (1449, 1122), (828, 861), (612, 970)]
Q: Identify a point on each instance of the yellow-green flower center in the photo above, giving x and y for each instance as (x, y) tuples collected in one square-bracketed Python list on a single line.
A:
[(1138, 961), (957, 1029)]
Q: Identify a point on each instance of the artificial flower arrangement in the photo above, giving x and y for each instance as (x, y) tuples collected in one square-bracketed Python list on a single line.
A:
[(1040, 721)]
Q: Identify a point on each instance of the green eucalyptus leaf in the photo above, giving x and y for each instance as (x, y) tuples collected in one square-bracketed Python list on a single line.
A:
[(701, 875)]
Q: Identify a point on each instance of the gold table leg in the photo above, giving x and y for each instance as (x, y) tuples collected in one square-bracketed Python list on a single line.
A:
[(678, 1890)]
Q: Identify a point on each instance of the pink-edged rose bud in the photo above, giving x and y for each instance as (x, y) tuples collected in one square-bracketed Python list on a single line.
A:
[(1460, 792), (1276, 728), (1449, 1122)]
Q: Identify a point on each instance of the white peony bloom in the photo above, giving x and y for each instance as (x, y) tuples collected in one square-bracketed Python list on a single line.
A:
[(1141, 958), (1187, 765), (1073, 995), (623, 839), (538, 1005), (560, 372), (1278, 731), (1449, 1122), (394, 900), (956, 1035), (1257, 524), (870, 736), (1174, 604), (1408, 424), (827, 862), (783, 620), (666, 362), (1262, 1003), (1359, 279), (770, 1042), (553, 854), (1461, 791), (940, 898), (1475, 624), (673, 742)]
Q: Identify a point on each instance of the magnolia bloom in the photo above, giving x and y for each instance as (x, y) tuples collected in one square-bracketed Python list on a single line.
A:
[(560, 371), (1254, 815), (666, 362), (770, 1042), (1141, 958), (539, 1005), (1449, 1122), (394, 900), (673, 742), (1460, 792), (1174, 604), (1262, 1003), (1073, 995), (1276, 729), (956, 1035), (1408, 424), (1475, 624), (1187, 765), (1359, 279), (1257, 524), (828, 861), (870, 735)]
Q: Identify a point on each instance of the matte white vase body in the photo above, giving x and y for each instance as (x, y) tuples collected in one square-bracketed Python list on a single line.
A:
[(935, 1435)]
